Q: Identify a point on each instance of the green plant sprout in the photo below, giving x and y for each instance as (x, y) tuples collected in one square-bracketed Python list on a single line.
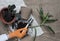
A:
[(44, 19)]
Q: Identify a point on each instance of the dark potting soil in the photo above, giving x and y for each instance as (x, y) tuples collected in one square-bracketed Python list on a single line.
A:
[(8, 16), (21, 25)]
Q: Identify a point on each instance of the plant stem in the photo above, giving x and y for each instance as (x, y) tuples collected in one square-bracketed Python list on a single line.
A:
[(36, 26), (44, 20), (35, 34)]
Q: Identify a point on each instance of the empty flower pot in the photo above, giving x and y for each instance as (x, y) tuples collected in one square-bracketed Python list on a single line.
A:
[(6, 16), (26, 12)]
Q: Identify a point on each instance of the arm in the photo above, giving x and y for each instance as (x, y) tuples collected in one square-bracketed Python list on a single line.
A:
[(3, 37)]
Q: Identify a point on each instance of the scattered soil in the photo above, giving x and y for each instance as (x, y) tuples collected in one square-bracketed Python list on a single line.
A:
[(21, 25)]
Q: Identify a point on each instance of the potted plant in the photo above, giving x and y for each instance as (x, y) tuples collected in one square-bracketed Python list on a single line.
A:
[(7, 14)]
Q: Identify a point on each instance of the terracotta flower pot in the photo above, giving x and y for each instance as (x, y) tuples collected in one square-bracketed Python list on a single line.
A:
[(2, 17)]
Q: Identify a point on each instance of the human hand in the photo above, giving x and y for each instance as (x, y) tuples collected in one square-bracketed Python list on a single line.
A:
[(20, 33)]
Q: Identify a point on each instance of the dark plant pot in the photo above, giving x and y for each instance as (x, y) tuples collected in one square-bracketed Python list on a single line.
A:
[(4, 19)]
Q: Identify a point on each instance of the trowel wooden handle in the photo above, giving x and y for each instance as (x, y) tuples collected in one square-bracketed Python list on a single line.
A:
[(20, 33)]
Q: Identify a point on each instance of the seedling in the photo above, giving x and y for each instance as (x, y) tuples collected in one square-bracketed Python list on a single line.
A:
[(44, 20)]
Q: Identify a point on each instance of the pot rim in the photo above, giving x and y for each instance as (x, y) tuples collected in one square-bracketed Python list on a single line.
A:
[(2, 19)]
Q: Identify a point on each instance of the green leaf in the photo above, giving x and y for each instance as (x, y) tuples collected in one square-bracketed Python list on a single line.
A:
[(50, 16), (51, 29), (51, 20), (46, 16), (41, 14)]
